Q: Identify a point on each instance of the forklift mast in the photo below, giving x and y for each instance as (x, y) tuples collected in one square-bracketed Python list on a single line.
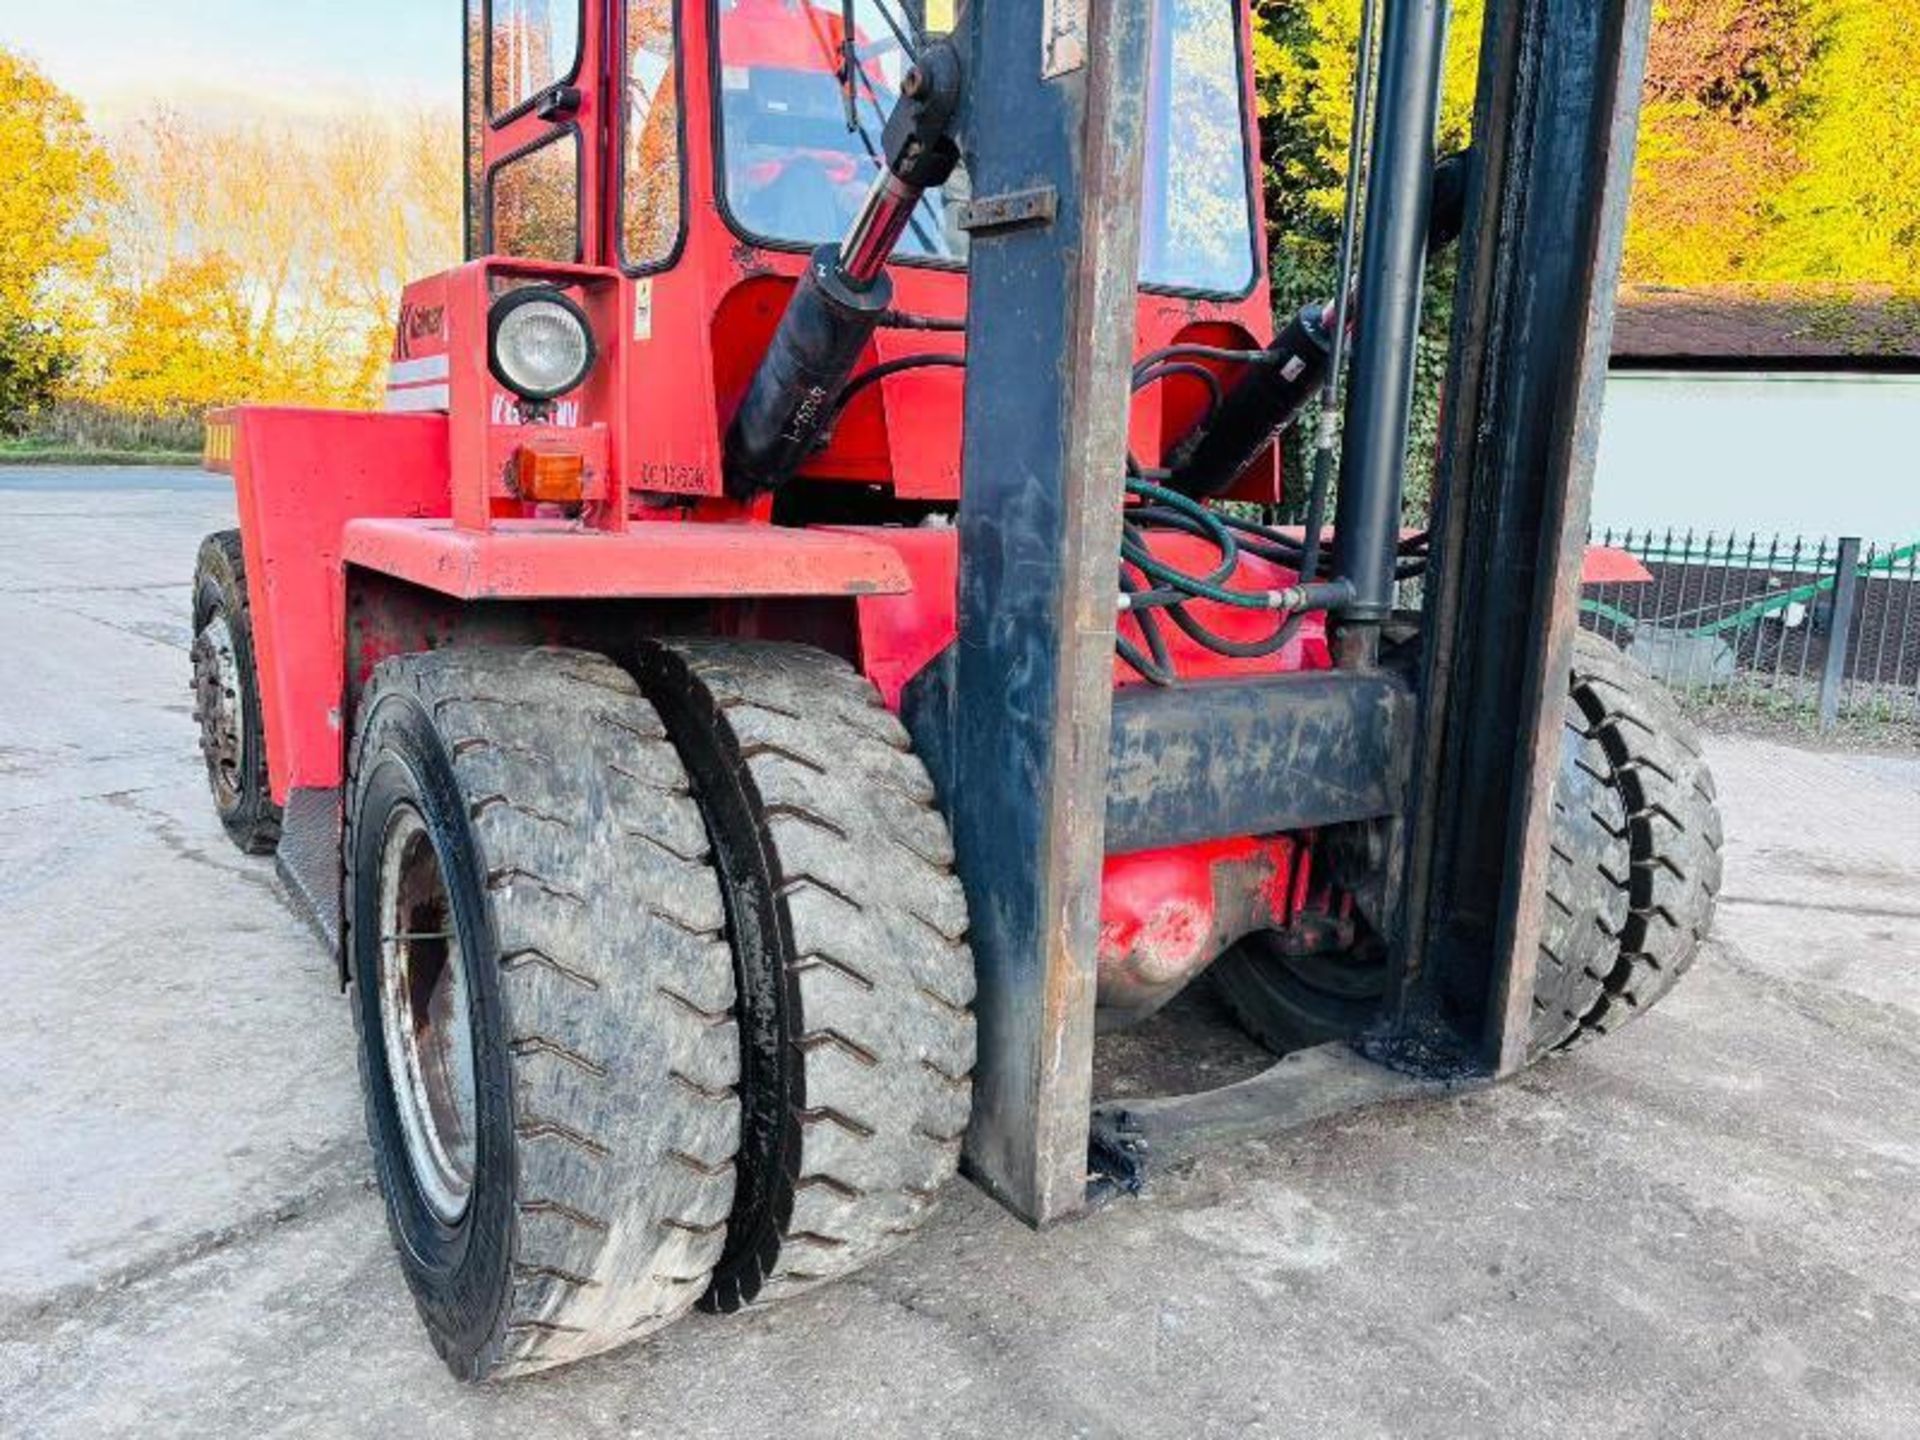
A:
[(1055, 99)]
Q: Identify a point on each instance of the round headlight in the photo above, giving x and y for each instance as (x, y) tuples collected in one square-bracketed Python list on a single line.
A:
[(539, 343)]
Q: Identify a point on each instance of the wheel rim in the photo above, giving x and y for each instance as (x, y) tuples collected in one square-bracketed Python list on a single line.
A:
[(426, 1018), (216, 690)]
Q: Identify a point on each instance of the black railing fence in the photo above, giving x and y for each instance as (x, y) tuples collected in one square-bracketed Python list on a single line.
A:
[(1825, 631)]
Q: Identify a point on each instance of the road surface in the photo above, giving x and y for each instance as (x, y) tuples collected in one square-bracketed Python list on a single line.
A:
[(1705, 1227)]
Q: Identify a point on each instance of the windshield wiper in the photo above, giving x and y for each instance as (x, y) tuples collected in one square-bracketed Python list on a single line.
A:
[(905, 34), (849, 65), (852, 76)]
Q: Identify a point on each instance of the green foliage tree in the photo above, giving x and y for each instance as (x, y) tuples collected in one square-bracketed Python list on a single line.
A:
[(1305, 53), (54, 179), (1849, 211)]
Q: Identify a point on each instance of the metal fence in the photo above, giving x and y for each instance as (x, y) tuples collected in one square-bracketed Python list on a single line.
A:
[(1826, 633)]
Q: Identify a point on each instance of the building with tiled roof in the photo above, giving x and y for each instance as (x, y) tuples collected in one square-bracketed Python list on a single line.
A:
[(1767, 326)]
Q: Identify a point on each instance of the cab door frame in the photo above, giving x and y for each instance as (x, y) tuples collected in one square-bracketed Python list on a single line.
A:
[(576, 103)]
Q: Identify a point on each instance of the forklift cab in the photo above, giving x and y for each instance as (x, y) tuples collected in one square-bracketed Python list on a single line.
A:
[(795, 135), (692, 153)]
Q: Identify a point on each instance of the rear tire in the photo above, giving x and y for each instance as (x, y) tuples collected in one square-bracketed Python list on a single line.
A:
[(523, 851), (854, 975), (226, 696)]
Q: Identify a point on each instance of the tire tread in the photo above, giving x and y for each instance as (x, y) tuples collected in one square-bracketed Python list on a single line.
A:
[(879, 968), (1673, 826), (616, 1008)]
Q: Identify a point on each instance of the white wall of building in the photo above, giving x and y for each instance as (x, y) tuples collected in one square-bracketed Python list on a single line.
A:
[(1790, 453)]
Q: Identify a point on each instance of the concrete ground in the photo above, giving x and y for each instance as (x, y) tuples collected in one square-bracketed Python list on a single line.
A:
[(1704, 1227)]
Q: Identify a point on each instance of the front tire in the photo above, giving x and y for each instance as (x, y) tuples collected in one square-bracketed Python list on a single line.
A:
[(543, 993), (1631, 881), (1673, 830), (849, 931)]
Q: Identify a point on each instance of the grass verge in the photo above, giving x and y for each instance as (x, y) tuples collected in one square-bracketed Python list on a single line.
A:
[(17, 454)]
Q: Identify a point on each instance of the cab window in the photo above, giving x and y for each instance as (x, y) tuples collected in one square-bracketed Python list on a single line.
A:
[(1197, 200), (797, 164), (650, 192), (532, 46), (800, 156), (534, 201)]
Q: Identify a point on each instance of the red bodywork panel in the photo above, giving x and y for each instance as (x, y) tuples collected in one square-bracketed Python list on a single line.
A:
[(560, 560), (323, 494), (299, 477), (1608, 565)]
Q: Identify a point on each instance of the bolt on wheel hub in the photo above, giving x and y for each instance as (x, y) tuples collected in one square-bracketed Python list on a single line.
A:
[(216, 696)]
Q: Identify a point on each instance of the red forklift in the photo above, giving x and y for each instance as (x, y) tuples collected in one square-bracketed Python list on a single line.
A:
[(807, 644)]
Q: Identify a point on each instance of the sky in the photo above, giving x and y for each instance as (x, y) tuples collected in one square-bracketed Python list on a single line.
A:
[(288, 57)]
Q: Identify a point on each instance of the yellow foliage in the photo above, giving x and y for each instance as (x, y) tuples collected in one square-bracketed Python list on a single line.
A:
[(53, 176), (1798, 169), (185, 341), (1304, 55), (263, 262), (1851, 211), (53, 180)]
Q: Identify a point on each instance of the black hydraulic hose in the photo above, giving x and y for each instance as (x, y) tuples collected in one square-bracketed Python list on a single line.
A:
[(1216, 393), (1255, 540), (1202, 352), (1317, 497), (1282, 636), (873, 376), (1157, 666)]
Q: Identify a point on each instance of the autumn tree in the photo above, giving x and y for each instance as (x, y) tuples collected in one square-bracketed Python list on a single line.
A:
[(263, 261), (54, 178), (1718, 135)]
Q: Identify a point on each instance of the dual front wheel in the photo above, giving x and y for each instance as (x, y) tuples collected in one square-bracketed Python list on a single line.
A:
[(1632, 876), (661, 981)]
